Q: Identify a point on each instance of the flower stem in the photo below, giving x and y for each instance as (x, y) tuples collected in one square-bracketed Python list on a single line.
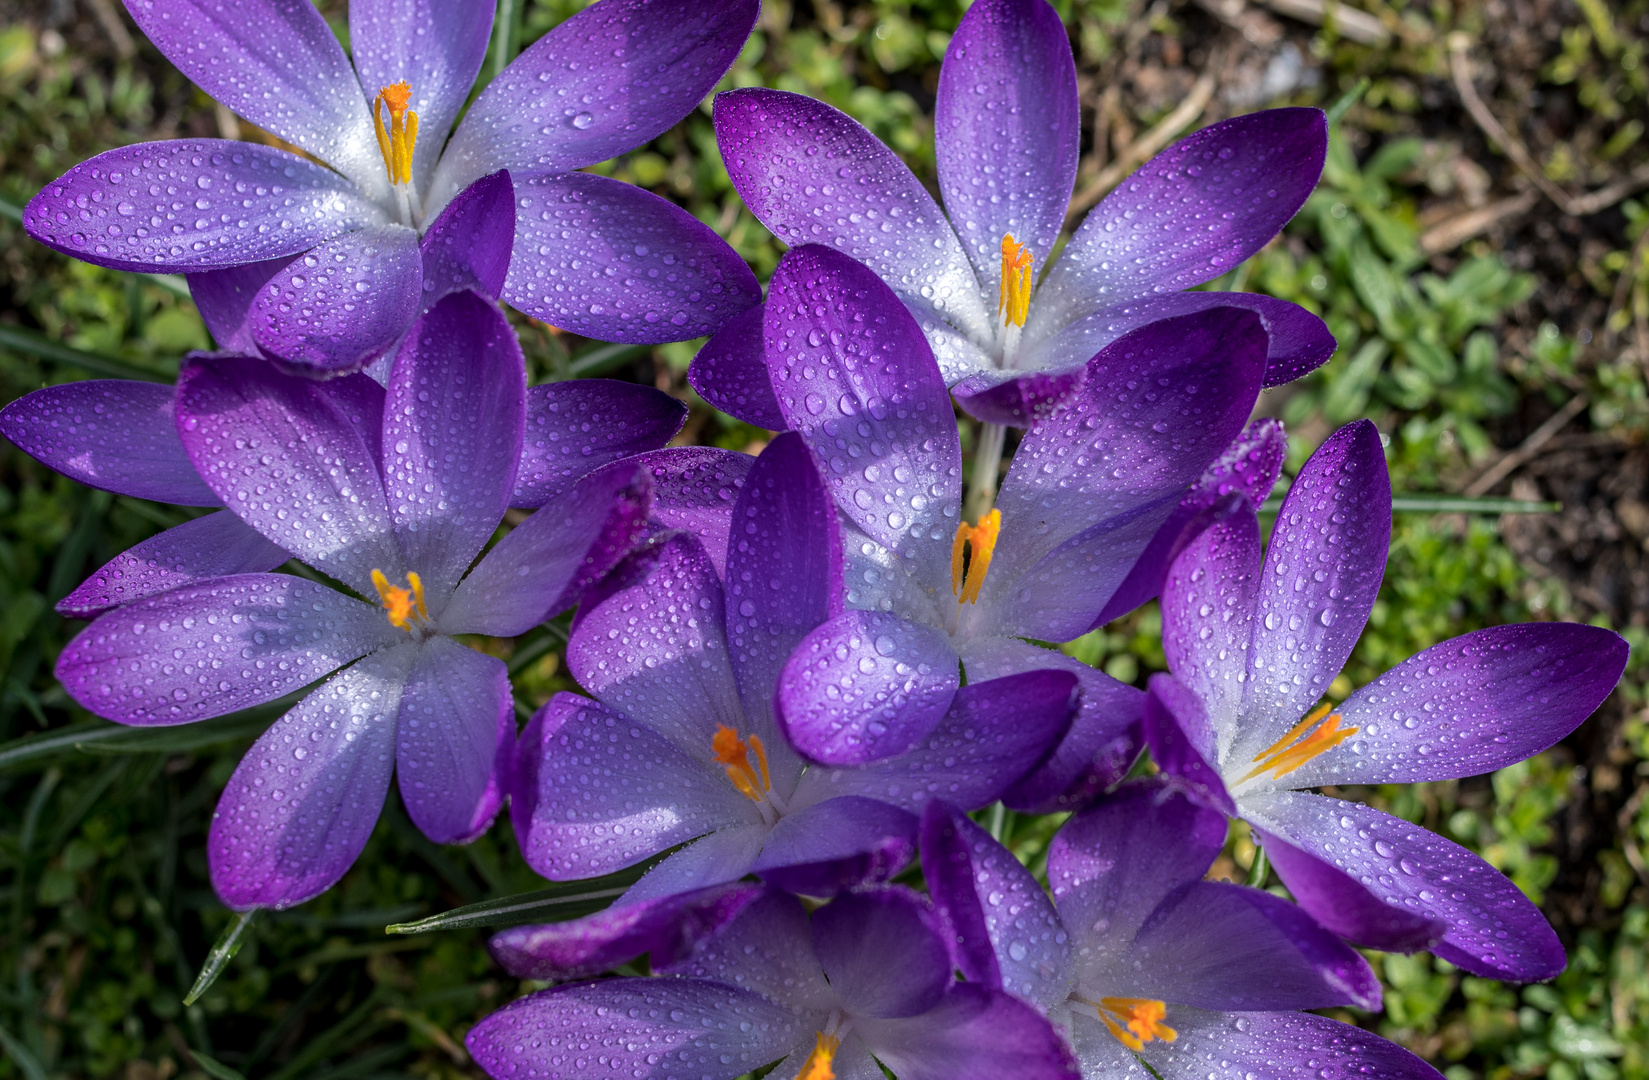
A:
[(987, 460)]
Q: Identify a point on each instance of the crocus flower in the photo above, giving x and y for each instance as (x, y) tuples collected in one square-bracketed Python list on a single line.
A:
[(680, 745), (397, 512), (322, 262), (1138, 959), (1252, 647), (926, 591), (867, 978), (1006, 135)]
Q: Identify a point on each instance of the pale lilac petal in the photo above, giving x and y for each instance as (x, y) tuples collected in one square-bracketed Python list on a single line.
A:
[(973, 1034), (730, 372), (544, 565), (1471, 705), (303, 801), (453, 418), (1208, 607), (276, 63), (717, 858), (616, 262), (1281, 1045), (1007, 129), (1008, 935), (865, 686), (606, 81), (211, 648), (577, 426), (631, 1027), (814, 175), (883, 952), (853, 374), (1493, 929), (216, 545), (601, 792), (1183, 741), (580, 948), (650, 644), (457, 721), (436, 47), (283, 455), (113, 434), (225, 297), (767, 948), (1322, 572), (837, 844), (469, 245), (1188, 215), (1101, 1056), (694, 488), (339, 306)]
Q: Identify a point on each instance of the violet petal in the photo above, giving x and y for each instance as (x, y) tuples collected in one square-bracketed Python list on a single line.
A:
[(1183, 741), (1208, 617), (836, 844), (883, 952), (973, 1034), (1281, 1044), (730, 372), (694, 488), (470, 244), (216, 545), (577, 426), (456, 719), (225, 298)]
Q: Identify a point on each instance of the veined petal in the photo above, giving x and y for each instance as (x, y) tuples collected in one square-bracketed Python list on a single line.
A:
[(974, 1033), (1208, 606), (225, 298), (1277, 1044), (883, 952), (457, 720), (837, 844), (693, 489), (730, 372), (576, 427), (117, 435), (470, 245), (216, 545), (1183, 742), (766, 948)]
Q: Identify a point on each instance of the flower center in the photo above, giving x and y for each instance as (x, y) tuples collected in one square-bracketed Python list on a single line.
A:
[(733, 753), (818, 1063), (405, 607), (1014, 301), (1286, 754), (1135, 1021), (397, 138), (982, 539)]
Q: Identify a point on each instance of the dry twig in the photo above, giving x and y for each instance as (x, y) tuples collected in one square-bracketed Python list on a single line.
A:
[(1450, 234), (1146, 146), (1539, 437), (1347, 21)]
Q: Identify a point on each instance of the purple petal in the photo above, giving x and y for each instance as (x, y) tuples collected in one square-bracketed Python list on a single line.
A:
[(283, 455), (225, 297), (1233, 949), (469, 245), (1008, 935), (995, 732), (730, 372), (1188, 215), (1493, 929), (611, 261), (457, 720), (650, 644), (1021, 401), (361, 400), (544, 565), (580, 948), (113, 434), (814, 175), (304, 799), (339, 306), (717, 858), (694, 488), (435, 47), (1007, 129), (210, 648), (576, 427), (1471, 705), (853, 374), (1322, 572), (768, 948), (706, 1030), (601, 792), (1182, 741), (1208, 619), (607, 80), (973, 1034), (1278, 1044), (883, 952), (276, 63), (1249, 466), (453, 417), (820, 850), (216, 545), (865, 686), (1158, 408)]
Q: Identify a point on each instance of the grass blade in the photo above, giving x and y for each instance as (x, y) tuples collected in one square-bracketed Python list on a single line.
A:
[(214, 1068), (103, 737), (1450, 504), (227, 945), (27, 1063), (555, 904), (33, 343)]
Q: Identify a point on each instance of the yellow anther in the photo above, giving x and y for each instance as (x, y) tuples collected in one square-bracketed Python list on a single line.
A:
[(1014, 302), (734, 753), (397, 138), (982, 538), (1135, 1021), (1285, 755), (404, 606), (818, 1063)]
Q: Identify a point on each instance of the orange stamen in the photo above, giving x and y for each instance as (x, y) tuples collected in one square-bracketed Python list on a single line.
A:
[(733, 753), (1135, 1021), (397, 138), (1014, 299), (982, 538), (404, 606), (1285, 755), (818, 1064)]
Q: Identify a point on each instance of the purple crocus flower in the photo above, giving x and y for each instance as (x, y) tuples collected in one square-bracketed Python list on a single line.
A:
[(1006, 136), (398, 511), (680, 744), (1252, 647), (1088, 490), (326, 267), (866, 978), (1139, 960)]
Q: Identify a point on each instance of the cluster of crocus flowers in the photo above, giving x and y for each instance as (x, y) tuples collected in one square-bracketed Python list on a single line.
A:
[(803, 670)]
